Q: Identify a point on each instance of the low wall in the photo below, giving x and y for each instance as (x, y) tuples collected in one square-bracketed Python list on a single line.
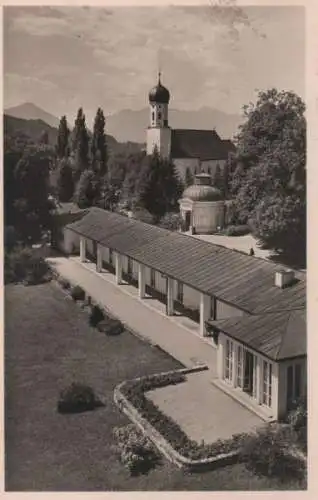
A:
[(160, 442)]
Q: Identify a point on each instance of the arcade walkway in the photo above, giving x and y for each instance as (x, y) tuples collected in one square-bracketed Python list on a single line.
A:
[(177, 335)]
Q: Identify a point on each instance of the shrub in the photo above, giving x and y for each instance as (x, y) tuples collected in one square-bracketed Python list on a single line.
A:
[(78, 293), (22, 264), (267, 454), (77, 398), (64, 283), (237, 230), (96, 315), (297, 418), (110, 326), (135, 450)]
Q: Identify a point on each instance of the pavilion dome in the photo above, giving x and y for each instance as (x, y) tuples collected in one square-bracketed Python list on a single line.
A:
[(201, 190)]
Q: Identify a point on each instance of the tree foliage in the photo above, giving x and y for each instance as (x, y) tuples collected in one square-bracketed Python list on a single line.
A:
[(99, 146), (62, 147), (159, 188), (65, 181), (189, 178), (268, 171), (80, 144), (32, 207), (88, 189)]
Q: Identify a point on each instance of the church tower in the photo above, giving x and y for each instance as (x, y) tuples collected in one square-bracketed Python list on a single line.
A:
[(159, 132)]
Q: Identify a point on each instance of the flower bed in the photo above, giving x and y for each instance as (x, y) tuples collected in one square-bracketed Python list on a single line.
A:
[(135, 392)]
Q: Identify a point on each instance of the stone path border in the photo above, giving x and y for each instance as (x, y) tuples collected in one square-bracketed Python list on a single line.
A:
[(159, 441)]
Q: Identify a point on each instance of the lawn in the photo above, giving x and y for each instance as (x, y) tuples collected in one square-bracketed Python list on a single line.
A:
[(48, 345)]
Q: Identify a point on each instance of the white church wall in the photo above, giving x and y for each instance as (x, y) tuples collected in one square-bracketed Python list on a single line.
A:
[(160, 138), (209, 166), (181, 164)]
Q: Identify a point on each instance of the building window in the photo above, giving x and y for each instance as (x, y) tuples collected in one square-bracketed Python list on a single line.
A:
[(239, 375), (153, 116), (180, 292), (228, 372), (152, 278), (267, 384), (165, 122), (159, 115), (110, 256)]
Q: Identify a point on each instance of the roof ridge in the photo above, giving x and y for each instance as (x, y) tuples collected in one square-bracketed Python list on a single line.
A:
[(279, 348)]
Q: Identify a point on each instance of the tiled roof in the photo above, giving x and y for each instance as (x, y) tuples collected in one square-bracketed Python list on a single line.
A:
[(278, 335), (235, 278), (202, 144)]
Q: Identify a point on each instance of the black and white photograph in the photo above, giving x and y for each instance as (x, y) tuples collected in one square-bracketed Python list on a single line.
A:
[(155, 256)]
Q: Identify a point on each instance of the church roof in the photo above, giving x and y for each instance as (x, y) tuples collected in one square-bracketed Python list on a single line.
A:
[(202, 144)]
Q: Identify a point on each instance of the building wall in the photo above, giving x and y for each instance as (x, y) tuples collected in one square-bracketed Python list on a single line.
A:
[(282, 395), (209, 166), (158, 115), (207, 216), (277, 390), (160, 137), (69, 243), (181, 165), (195, 165), (191, 297), (224, 311)]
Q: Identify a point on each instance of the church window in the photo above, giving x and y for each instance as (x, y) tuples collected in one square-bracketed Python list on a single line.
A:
[(153, 116), (159, 115)]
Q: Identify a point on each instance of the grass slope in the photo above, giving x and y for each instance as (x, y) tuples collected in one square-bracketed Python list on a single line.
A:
[(48, 344)]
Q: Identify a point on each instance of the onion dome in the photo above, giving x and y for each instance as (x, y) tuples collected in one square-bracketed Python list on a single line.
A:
[(159, 93), (202, 190)]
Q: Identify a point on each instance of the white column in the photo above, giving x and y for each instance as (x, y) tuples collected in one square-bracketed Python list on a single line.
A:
[(141, 281), (119, 268), (275, 382), (99, 264), (220, 357), (205, 307), (82, 249), (235, 356), (170, 297)]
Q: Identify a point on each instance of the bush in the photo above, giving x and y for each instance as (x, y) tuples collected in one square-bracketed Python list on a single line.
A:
[(77, 398), (241, 230), (297, 418), (78, 293), (135, 450), (110, 326), (96, 315), (22, 264), (64, 283), (267, 454)]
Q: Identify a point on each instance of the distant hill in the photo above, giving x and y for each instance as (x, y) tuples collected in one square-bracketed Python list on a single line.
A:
[(33, 128), (29, 111), (131, 125), (13, 126)]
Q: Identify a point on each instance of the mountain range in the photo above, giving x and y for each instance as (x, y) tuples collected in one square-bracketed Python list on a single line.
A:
[(130, 125)]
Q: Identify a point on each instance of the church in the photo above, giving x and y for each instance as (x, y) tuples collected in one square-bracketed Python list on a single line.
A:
[(195, 151)]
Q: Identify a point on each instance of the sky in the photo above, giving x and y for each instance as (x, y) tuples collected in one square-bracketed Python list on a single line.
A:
[(61, 58)]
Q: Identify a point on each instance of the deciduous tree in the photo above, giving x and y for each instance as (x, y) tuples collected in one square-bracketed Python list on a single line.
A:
[(268, 171)]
